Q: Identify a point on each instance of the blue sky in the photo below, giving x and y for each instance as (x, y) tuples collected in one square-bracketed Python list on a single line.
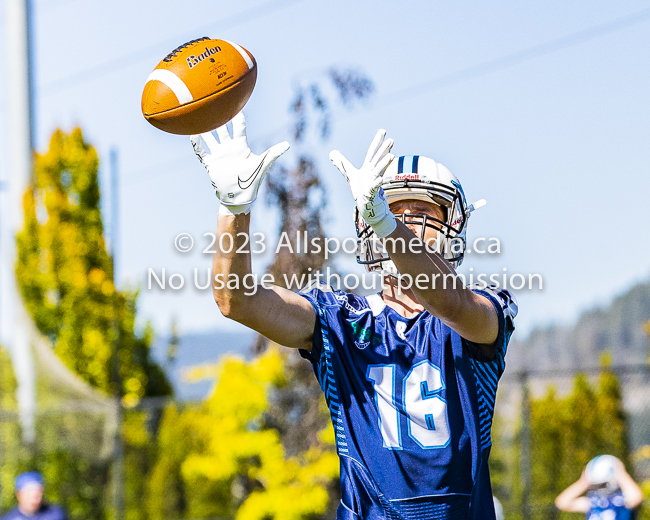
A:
[(549, 123)]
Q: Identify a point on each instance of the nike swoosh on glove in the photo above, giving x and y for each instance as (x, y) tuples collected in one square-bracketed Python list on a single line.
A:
[(365, 182), (236, 172)]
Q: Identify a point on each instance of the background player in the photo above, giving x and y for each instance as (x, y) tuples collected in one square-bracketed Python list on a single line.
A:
[(31, 506), (409, 376), (611, 494)]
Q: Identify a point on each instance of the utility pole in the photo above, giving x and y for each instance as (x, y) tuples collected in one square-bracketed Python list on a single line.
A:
[(3, 186), (118, 445), (16, 324)]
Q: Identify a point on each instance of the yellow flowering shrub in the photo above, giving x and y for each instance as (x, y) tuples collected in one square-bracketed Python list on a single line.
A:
[(231, 450)]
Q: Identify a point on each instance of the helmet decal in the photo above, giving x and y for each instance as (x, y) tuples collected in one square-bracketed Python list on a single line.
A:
[(411, 161)]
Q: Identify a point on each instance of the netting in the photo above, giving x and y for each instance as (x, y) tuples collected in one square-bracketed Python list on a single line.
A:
[(74, 429), (69, 414)]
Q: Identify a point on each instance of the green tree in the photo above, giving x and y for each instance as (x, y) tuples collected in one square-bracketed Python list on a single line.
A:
[(614, 419), (504, 465), (166, 493), (583, 435), (546, 436), (14, 456), (642, 455), (65, 275)]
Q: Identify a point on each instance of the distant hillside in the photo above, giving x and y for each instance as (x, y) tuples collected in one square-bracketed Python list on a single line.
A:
[(617, 328)]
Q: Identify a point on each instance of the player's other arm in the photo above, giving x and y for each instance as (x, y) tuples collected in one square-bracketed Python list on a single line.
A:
[(470, 314), (236, 174), (571, 499), (631, 491)]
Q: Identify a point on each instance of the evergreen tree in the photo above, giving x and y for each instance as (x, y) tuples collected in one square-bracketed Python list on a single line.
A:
[(504, 466), (582, 430), (614, 420), (547, 449), (65, 275), (566, 433), (166, 494)]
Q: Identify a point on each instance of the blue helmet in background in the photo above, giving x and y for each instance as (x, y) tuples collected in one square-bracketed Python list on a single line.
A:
[(25, 479)]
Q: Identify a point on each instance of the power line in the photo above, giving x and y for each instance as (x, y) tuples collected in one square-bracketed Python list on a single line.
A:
[(132, 58), (518, 57), (508, 60), (453, 78)]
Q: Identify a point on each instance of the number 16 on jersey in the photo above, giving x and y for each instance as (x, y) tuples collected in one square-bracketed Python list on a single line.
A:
[(426, 410)]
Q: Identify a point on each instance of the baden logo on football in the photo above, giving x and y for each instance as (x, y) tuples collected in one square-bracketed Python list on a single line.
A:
[(193, 60)]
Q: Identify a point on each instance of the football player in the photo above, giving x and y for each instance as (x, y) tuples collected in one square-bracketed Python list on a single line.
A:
[(410, 376), (604, 491)]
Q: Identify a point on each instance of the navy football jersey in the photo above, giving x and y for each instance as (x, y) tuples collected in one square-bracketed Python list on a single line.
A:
[(610, 507), (411, 403), (45, 512)]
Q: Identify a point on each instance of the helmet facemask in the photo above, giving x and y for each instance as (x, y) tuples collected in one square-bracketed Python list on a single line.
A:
[(605, 489), (445, 192)]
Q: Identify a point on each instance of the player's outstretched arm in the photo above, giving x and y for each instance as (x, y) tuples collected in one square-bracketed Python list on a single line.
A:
[(236, 174), (279, 314), (571, 499), (471, 315)]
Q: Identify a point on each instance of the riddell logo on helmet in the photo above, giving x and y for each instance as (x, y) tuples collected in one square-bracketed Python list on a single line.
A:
[(457, 221), (407, 177), (195, 60)]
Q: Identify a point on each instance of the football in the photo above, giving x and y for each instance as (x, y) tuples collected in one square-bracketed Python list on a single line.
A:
[(199, 86)]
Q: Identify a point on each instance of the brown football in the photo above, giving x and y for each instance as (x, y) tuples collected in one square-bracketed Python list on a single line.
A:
[(199, 86)]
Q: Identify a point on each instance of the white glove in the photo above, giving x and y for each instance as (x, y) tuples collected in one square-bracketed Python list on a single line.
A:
[(235, 171), (364, 184)]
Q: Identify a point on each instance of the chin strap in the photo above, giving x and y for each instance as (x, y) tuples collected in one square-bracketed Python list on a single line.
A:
[(478, 204)]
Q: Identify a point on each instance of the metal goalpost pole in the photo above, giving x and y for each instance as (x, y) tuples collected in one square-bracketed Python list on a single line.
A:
[(15, 329)]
